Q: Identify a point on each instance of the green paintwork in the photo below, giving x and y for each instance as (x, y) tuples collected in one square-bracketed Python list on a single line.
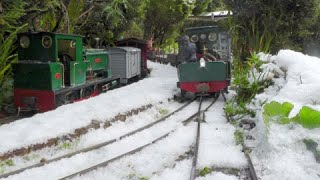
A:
[(35, 70), (77, 73), (37, 66), (36, 51), (37, 76), (100, 55), (78, 44), (214, 71)]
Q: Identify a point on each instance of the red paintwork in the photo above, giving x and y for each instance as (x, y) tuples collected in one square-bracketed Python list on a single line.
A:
[(57, 76), (45, 99), (214, 86), (97, 60)]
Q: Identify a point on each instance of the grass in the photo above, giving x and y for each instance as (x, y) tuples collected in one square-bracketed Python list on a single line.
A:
[(205, 171), (5, 164)]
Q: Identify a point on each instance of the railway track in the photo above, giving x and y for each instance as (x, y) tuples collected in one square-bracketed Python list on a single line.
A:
[(97, 146), (199, 116), (193, 172), (105, 163)]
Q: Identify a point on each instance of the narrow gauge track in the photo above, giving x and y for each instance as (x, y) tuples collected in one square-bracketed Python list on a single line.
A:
[(97, 146), (105, 163), (193, 172)]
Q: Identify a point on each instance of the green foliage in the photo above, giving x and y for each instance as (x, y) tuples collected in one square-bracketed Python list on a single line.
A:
[(7, 57), (68, 144), (144, 178), (277, 112), (200, 6), (6, 92), (246, 89), (284, 24), (112, 20), (136, 176), (75, 9), (169, 19), (237, 109), (308, 118), (29, 157), (4, 164), (239, 136), (163, 112), (205, 171)]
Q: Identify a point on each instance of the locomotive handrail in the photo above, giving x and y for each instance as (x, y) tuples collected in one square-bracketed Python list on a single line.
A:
[(74, 73), (62, 66)]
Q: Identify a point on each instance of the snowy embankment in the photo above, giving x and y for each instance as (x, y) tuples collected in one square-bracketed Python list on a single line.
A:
[(280, 152), (160, 86)]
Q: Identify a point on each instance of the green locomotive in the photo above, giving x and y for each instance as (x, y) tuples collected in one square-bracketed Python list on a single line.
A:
[(54, 69), (211, 73)]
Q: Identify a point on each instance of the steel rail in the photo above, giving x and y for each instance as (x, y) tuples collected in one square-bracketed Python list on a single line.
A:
[(97, 146), (195, 156), (105, 163), (253, 174)]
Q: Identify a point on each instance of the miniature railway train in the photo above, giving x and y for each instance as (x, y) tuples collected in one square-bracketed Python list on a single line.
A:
[(211, 72), (54, 69)]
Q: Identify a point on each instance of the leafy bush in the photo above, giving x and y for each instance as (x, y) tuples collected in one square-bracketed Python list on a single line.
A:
[(6, 92), (277, 112), (247, 82)]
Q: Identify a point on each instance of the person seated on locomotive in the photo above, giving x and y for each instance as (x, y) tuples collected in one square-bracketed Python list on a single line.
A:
[(187, 50), (208, 54)]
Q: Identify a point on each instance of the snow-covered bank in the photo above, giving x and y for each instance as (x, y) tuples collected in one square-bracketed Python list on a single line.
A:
[(38, 129), (279, 151)]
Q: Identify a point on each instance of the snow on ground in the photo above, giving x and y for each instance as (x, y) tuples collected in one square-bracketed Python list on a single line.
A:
[(38, 129), (280, 152), (97, 136), (217, 145), (218, 176), (154, 157)]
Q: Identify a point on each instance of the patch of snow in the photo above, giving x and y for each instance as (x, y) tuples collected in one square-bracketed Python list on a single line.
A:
[(217, 176), (279, 150), (160, 86), (217, 145)]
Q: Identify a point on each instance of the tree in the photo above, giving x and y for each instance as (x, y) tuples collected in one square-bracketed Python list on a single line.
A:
[(165, 18), (109, 20), (258, 23)]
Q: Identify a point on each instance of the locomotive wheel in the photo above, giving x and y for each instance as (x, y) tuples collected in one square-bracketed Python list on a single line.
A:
[(86, 92), (183, 93)]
